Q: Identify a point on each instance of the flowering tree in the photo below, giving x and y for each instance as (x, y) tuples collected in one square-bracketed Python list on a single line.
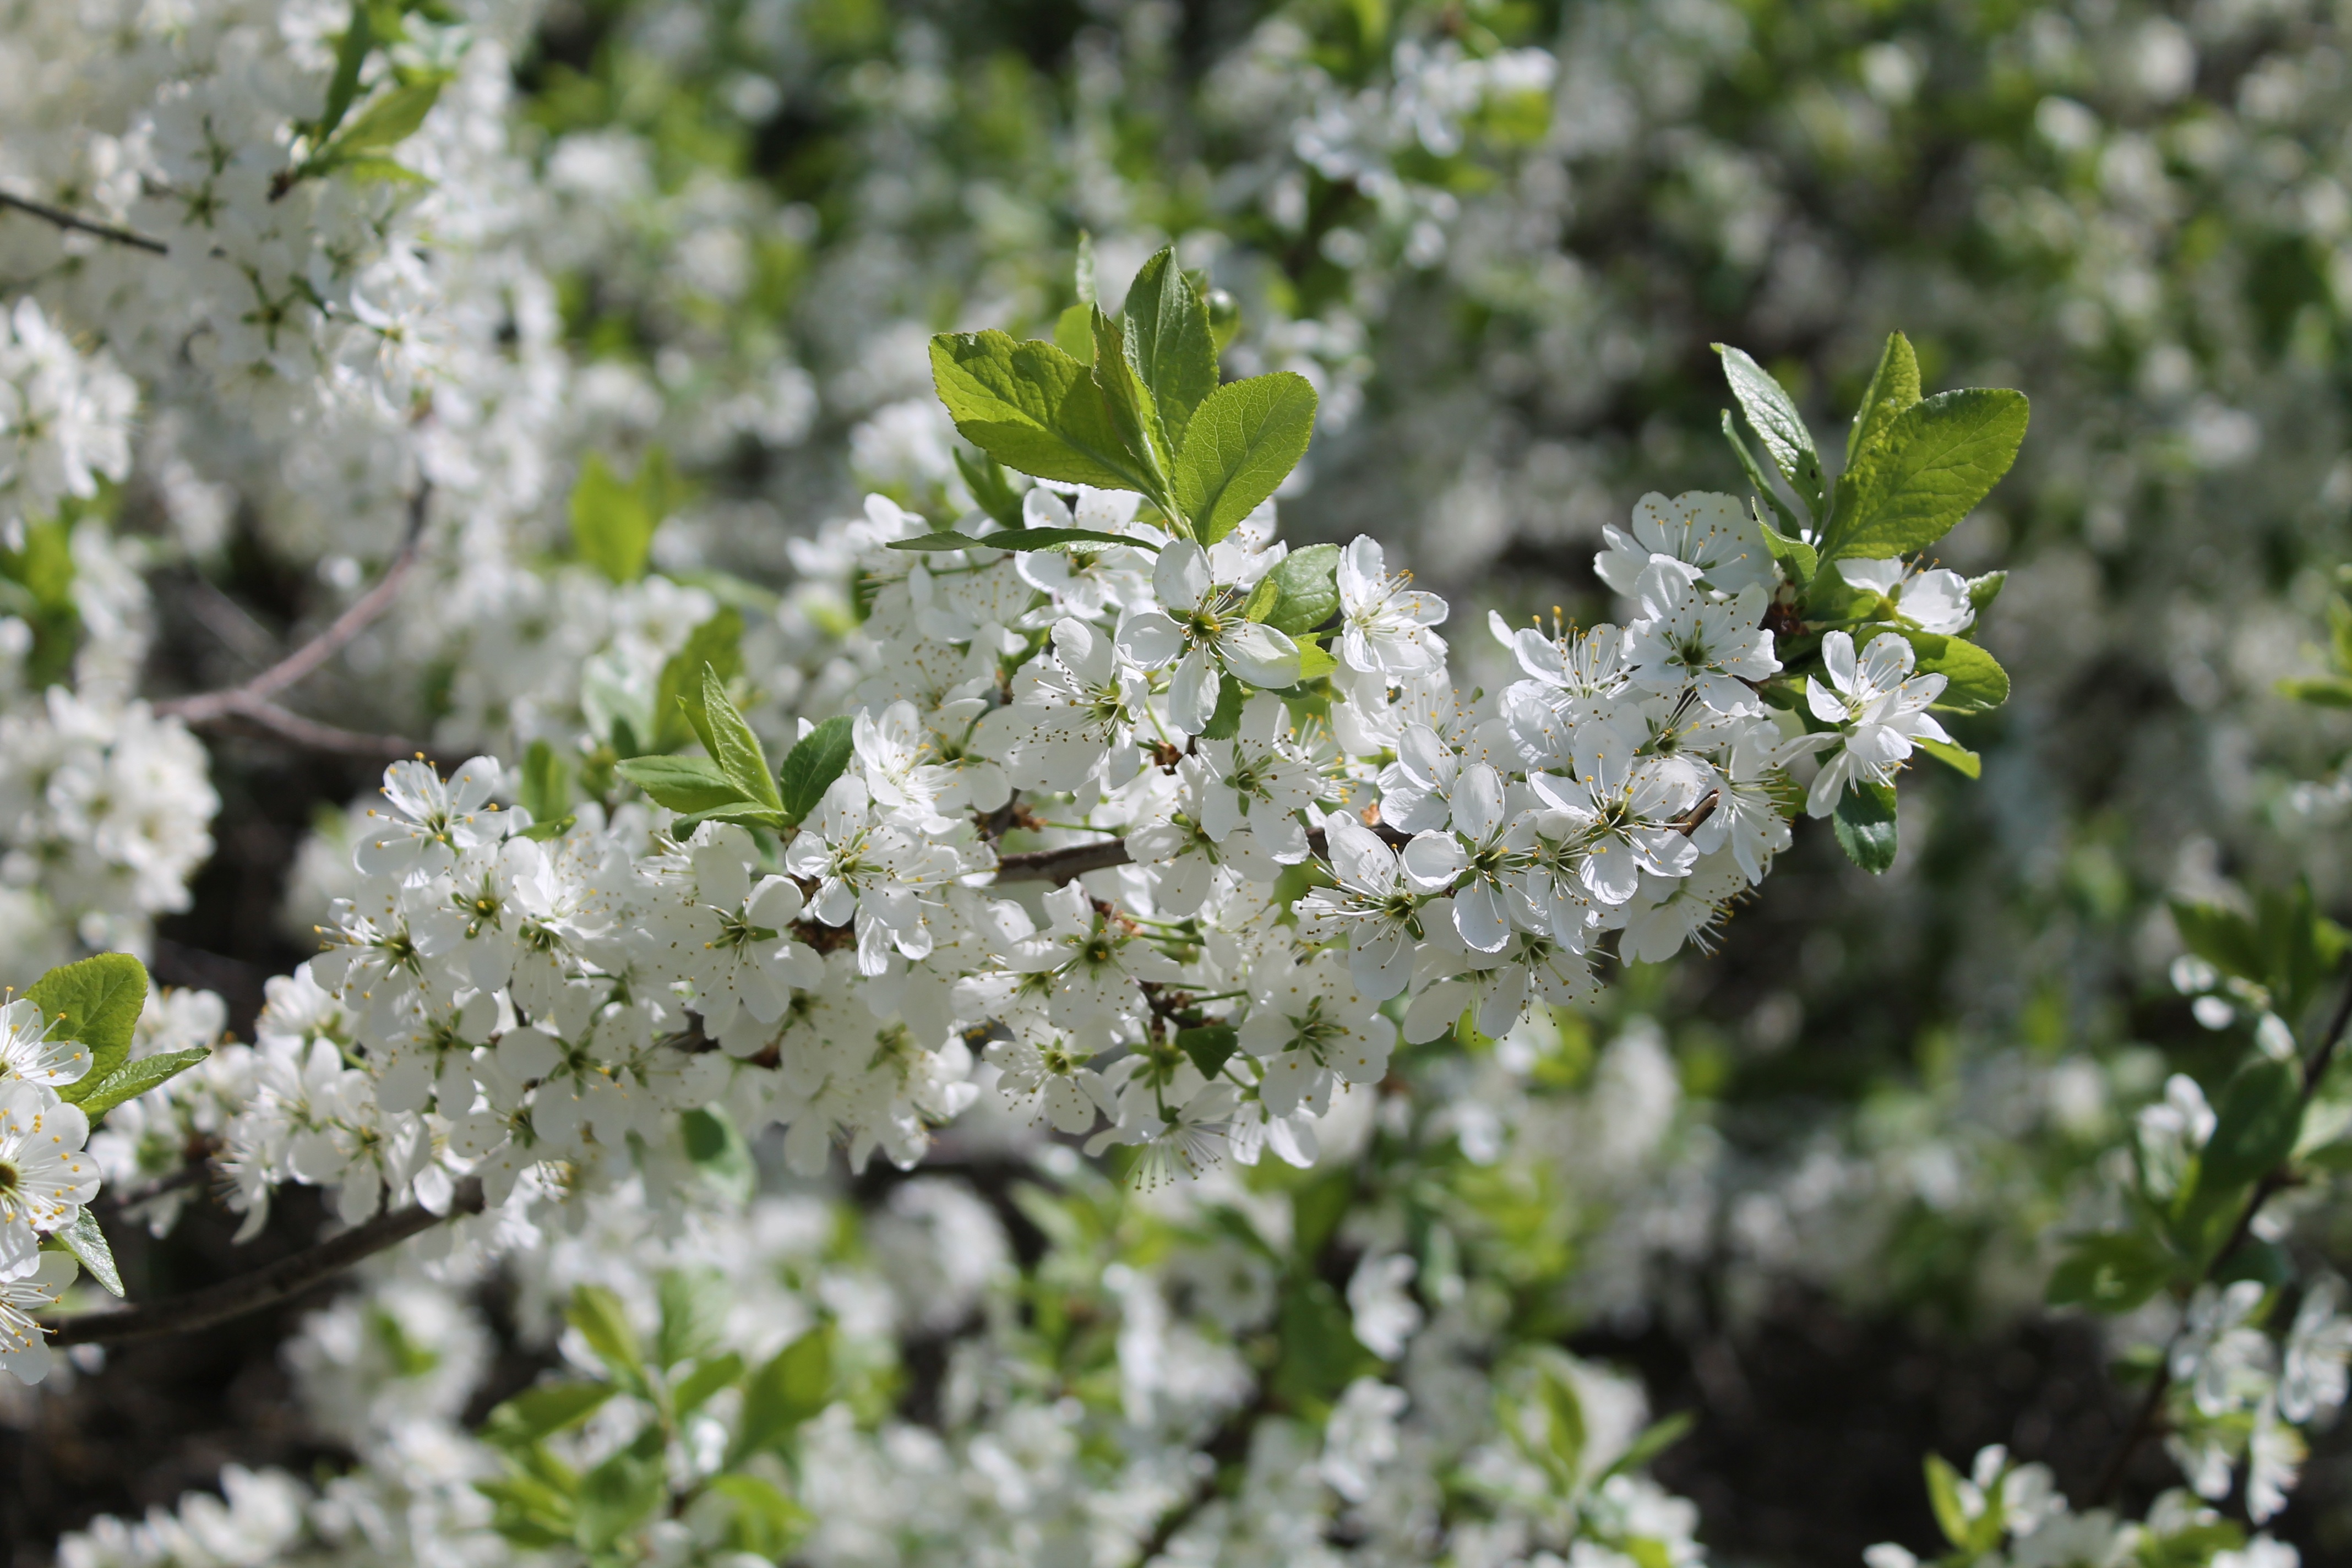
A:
[(1210, 936)]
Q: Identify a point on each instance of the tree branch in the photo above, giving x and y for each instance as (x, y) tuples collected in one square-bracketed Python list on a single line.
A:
[(64, 219), (249, 705), (280, 1281)]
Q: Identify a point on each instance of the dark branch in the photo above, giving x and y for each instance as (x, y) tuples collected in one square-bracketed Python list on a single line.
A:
[(280, 1281), (249, 705), (64, 219)]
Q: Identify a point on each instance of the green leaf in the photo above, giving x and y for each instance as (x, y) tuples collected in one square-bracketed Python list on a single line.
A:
[(1073, 332), (2300, 945), (694, 1304), (1936, 461), (810, 768), (386, 122), (717, 643), (1777, 423), (612, 523), (1654, 1439), (1210, 1046), (737, 749), (620, 1494), (1243, 442), (1033, 408), (1564, 1428), (1894, 388), (984, 476), (794, 1386), (1082, 270), (719, 1153), (689, 784), (1319, 1354), (87, 1244), (372, 171), (1943, 1500), (1132, 411), (601, 1320), (1797, 558), (1960, 759), (541, 1411), (1225, 719), (1170, 343), (1313, 661), (2223, 937), (1984, 590), (1754, 469), (132, 1079), (351, 54), (1974, 680), (2115, 1272), (1307, 590), (695, 1390), (2255, 1124), (766, 1523), (1021, 538), (95, 1001), (546, 790), (1865, 825), (2320, 691)]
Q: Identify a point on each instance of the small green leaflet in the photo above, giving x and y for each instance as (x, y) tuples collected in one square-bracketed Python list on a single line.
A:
[(685, 784), (1033, 408), (792, 1388), (735, 748), (540, 1411), (1170, 343), (717, 643), (1243, 441), (694, 1304), (134, 1079), (1777, 423), (1210, 1046), (718, 1152), (1766, 494), (603, 1323), (1973, 680), (1129, 402), (96, 1002), (1960, 759), (1865, 825), (2258, 1117), (546, 790), (693, 1390), (2113, 1272), (620, 1494), (984, 476), (1305, 590), (1021, 539), (823, 755), (613, 520), (1937, 460), (1894, 388), (87, 1244)]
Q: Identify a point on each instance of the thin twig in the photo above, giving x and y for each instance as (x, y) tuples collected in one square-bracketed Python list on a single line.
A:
[(64, 219), (2144, 1420), (249, 704), (280, 1281)]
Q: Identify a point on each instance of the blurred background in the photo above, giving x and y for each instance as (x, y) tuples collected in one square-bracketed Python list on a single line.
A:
[(1500, 237)]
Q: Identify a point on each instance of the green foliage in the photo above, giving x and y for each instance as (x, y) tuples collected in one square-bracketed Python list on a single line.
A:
[(613, 520), (2114, 1271), (1243, 442), (1934, 462), (95, 1001), (1301, 593), (1020, 539), (993, 493), (1033, 408), (88, 1243), (603, 1323), (132, 1079), (2257, 1121), (1210, 1046), (716, 646), (794, 1386), (1894, 388), (1778, 424), (2287, 948), (540, 1413), (810, 768), (1974, 681), (719, 1153), (693, 1315), (1865, 825), (1170, 343), (36, 586)]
